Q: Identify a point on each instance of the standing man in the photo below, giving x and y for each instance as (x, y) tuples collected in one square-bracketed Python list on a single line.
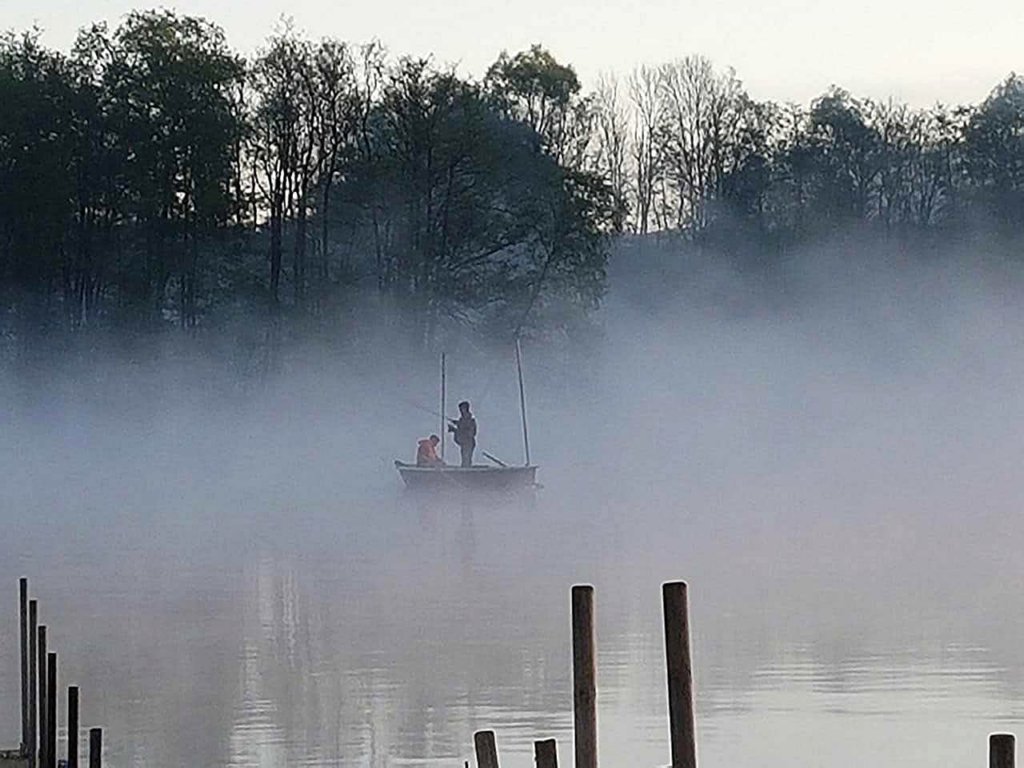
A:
[(465, 433)]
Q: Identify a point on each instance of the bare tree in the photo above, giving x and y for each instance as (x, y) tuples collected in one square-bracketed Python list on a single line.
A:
[(370, 79), (703, 119), (306, 116), (274, 145), (611, 145), (334, 119), (645, 142)]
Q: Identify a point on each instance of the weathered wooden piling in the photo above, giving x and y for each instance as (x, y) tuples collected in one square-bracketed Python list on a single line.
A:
[(23, 636), (584, 677), (33, 634), (41, 698), (1001, 749), (73, 726), (95, 748), (51, 710), (545, 753), (682, 726), (486, 749)]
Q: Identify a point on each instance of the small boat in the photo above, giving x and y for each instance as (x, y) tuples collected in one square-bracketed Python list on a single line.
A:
[(476, 478), (502, 477)]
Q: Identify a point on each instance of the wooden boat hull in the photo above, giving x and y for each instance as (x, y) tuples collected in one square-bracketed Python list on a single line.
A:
[(467, 478)]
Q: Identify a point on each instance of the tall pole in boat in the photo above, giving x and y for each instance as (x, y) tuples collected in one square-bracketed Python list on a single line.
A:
[(444, 385), (522, 401)]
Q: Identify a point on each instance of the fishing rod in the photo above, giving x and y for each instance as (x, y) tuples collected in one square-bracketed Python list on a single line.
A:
[(495, 459)]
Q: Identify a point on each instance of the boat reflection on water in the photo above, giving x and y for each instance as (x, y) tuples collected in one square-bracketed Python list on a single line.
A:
[(432, 503)]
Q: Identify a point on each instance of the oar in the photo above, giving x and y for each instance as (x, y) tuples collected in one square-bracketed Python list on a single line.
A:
[(497, 461)]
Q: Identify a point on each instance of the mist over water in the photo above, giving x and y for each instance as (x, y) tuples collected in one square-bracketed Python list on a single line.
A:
[(829, 456)]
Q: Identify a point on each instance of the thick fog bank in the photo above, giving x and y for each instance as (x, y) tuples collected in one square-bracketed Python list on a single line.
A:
[(844, 383), (828, 452), (860, 436)]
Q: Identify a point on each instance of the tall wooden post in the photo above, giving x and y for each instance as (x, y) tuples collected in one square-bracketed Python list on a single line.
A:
[(1001, 750), (584, 685), (73, 726), (486, 749), (682, 727), (545, 753), (51, 710), (95, 748), (33, 682), (43, 738), (23, 626)]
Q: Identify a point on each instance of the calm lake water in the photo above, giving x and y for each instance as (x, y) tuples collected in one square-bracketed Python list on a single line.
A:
[(313, 637)]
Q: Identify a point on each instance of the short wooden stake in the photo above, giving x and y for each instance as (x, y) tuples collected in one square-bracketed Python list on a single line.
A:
[(95, 748), (545, 753), (486, 749), (682, 727), (73, 726), (584, 677), (51, 710), (1001, 750)]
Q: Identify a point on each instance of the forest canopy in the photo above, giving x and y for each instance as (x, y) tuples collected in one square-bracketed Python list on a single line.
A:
[(151, 177)]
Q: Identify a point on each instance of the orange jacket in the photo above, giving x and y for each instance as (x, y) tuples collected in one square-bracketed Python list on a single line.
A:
[(426, 454)]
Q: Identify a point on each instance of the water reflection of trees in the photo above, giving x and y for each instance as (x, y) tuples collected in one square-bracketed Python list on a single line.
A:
[(357, 657)]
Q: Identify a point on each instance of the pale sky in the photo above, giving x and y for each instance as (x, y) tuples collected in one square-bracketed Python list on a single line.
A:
[(785, 50)]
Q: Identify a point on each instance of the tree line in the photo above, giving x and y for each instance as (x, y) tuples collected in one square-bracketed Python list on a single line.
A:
[(685, 148), (153, 176)]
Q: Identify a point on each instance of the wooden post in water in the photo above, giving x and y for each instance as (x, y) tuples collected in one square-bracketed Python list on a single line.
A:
[(41, 699), (51, 710), (486, 749), (584, 685), (545, 753), (682, 727), (73, 726), (23, 626), (1001, 750), (95, 748), (33, 684)]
